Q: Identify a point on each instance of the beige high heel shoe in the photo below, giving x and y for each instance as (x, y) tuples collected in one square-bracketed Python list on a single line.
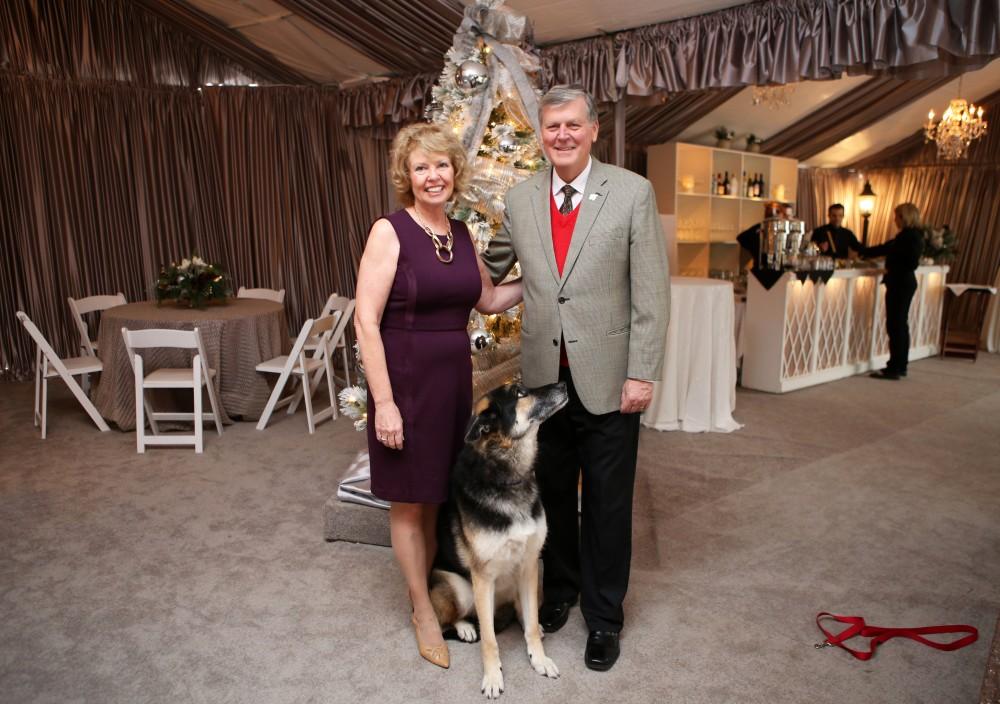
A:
[(434, 654)]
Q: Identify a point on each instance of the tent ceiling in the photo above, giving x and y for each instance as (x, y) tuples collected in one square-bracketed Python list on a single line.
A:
[(740, 115), (292, 40), (976, 85), (325, 57), (326, 53)]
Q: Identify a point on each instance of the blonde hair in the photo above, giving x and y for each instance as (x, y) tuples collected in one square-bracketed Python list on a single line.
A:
[(909, 214), (433, 139)]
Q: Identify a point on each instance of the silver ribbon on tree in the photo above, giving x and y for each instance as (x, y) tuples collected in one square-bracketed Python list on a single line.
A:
[(502, 30), (509, 70)]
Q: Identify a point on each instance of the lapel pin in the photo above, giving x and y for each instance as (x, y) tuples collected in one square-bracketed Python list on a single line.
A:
[(593, 196)]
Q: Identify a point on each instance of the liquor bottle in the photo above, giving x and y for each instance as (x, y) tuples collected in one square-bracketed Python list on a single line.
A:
[(763, 187), (743, 185), (720, 188), (727, 187), (714, 184), (757, 186)]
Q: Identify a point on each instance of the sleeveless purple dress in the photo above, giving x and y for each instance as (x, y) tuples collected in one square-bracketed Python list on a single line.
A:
[(430, 368)]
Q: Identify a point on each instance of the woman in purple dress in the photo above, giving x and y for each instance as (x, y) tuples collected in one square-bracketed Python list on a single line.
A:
[(418, 281)]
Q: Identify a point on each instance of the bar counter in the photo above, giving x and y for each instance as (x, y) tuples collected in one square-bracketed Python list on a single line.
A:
[(799, 334)]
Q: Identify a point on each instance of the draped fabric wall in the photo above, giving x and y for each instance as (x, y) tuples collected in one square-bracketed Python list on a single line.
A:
[(100, 185), (960, 196), (818, 189), (277, 191)]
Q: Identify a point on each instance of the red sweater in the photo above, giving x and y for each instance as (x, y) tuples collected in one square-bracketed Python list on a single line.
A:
[(562, 235)]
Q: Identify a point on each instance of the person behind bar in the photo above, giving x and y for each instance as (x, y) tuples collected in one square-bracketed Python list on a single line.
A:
[(833, 239), (902, 256)]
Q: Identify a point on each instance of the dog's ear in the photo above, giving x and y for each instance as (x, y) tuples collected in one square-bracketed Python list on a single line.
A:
[(482, 424)]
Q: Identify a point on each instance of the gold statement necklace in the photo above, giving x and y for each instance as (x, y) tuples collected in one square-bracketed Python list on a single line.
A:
[(442, 248)]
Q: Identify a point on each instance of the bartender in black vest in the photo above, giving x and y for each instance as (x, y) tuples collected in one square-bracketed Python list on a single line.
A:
[(833, 239)]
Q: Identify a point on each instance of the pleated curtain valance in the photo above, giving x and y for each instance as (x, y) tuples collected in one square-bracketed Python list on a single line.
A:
[(394, 100), (782, 41)]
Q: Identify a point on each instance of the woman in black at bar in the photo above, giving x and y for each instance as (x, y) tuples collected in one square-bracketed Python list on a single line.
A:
[(902, 255)]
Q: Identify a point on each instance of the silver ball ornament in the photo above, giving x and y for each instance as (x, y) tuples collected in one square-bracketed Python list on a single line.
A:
[(507, 144), (471, 74), (432, 110), (480, 340)]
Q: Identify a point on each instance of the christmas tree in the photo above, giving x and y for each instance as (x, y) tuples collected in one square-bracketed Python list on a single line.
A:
[(488, 96)]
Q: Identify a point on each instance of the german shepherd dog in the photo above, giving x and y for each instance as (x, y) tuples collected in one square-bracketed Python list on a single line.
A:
[(491, 531)]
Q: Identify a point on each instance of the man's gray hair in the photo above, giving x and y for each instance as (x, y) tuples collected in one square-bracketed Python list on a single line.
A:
[(562, 94)]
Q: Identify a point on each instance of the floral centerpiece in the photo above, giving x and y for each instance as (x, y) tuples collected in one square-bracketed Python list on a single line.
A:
[(940, 245), (194, 283)]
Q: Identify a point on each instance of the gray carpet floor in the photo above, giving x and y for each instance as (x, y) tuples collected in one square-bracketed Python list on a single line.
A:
[(171, 577)]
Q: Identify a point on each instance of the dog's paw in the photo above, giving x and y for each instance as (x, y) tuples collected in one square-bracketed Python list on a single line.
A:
[(466, 631), (544, 666), (493, 684)]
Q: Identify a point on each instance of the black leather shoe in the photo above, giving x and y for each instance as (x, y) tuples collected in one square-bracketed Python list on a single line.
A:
[(885, 374), (553, 615), (602, 650)]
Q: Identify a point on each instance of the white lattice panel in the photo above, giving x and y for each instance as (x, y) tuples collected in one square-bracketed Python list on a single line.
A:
[(831, 326), (862, 308), (800, 310), (930, 332)]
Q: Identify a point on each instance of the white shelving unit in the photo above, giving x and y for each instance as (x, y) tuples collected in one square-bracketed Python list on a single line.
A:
[(705, 224)]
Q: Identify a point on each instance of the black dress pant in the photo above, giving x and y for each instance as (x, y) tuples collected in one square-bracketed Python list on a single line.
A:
[(590, 557), (898, 295)]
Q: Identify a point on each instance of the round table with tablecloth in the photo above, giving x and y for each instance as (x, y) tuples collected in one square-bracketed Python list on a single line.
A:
[(697, 390), (238, 335)]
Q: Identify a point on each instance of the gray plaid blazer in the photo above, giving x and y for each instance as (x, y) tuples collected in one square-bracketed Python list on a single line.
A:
[(612, 302)]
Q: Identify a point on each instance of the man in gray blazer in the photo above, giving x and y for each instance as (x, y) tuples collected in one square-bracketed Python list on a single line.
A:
[(596, 303)]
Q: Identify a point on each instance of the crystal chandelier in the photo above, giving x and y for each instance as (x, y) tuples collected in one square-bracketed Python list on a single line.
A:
[(773, 97), (961, 124)]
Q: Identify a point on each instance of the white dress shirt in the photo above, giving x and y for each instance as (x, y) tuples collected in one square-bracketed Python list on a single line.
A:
[(579, 183)]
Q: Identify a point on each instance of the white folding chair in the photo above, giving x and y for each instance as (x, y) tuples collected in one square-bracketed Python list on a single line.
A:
[(194, 377), (268, 294), (48, 365), (80, 307), (298, 365), (338, 306)]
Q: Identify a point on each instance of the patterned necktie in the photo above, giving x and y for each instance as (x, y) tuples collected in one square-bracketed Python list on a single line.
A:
[(567, 204)]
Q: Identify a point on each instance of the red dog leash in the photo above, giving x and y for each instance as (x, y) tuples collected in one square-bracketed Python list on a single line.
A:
[(858, 627)]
